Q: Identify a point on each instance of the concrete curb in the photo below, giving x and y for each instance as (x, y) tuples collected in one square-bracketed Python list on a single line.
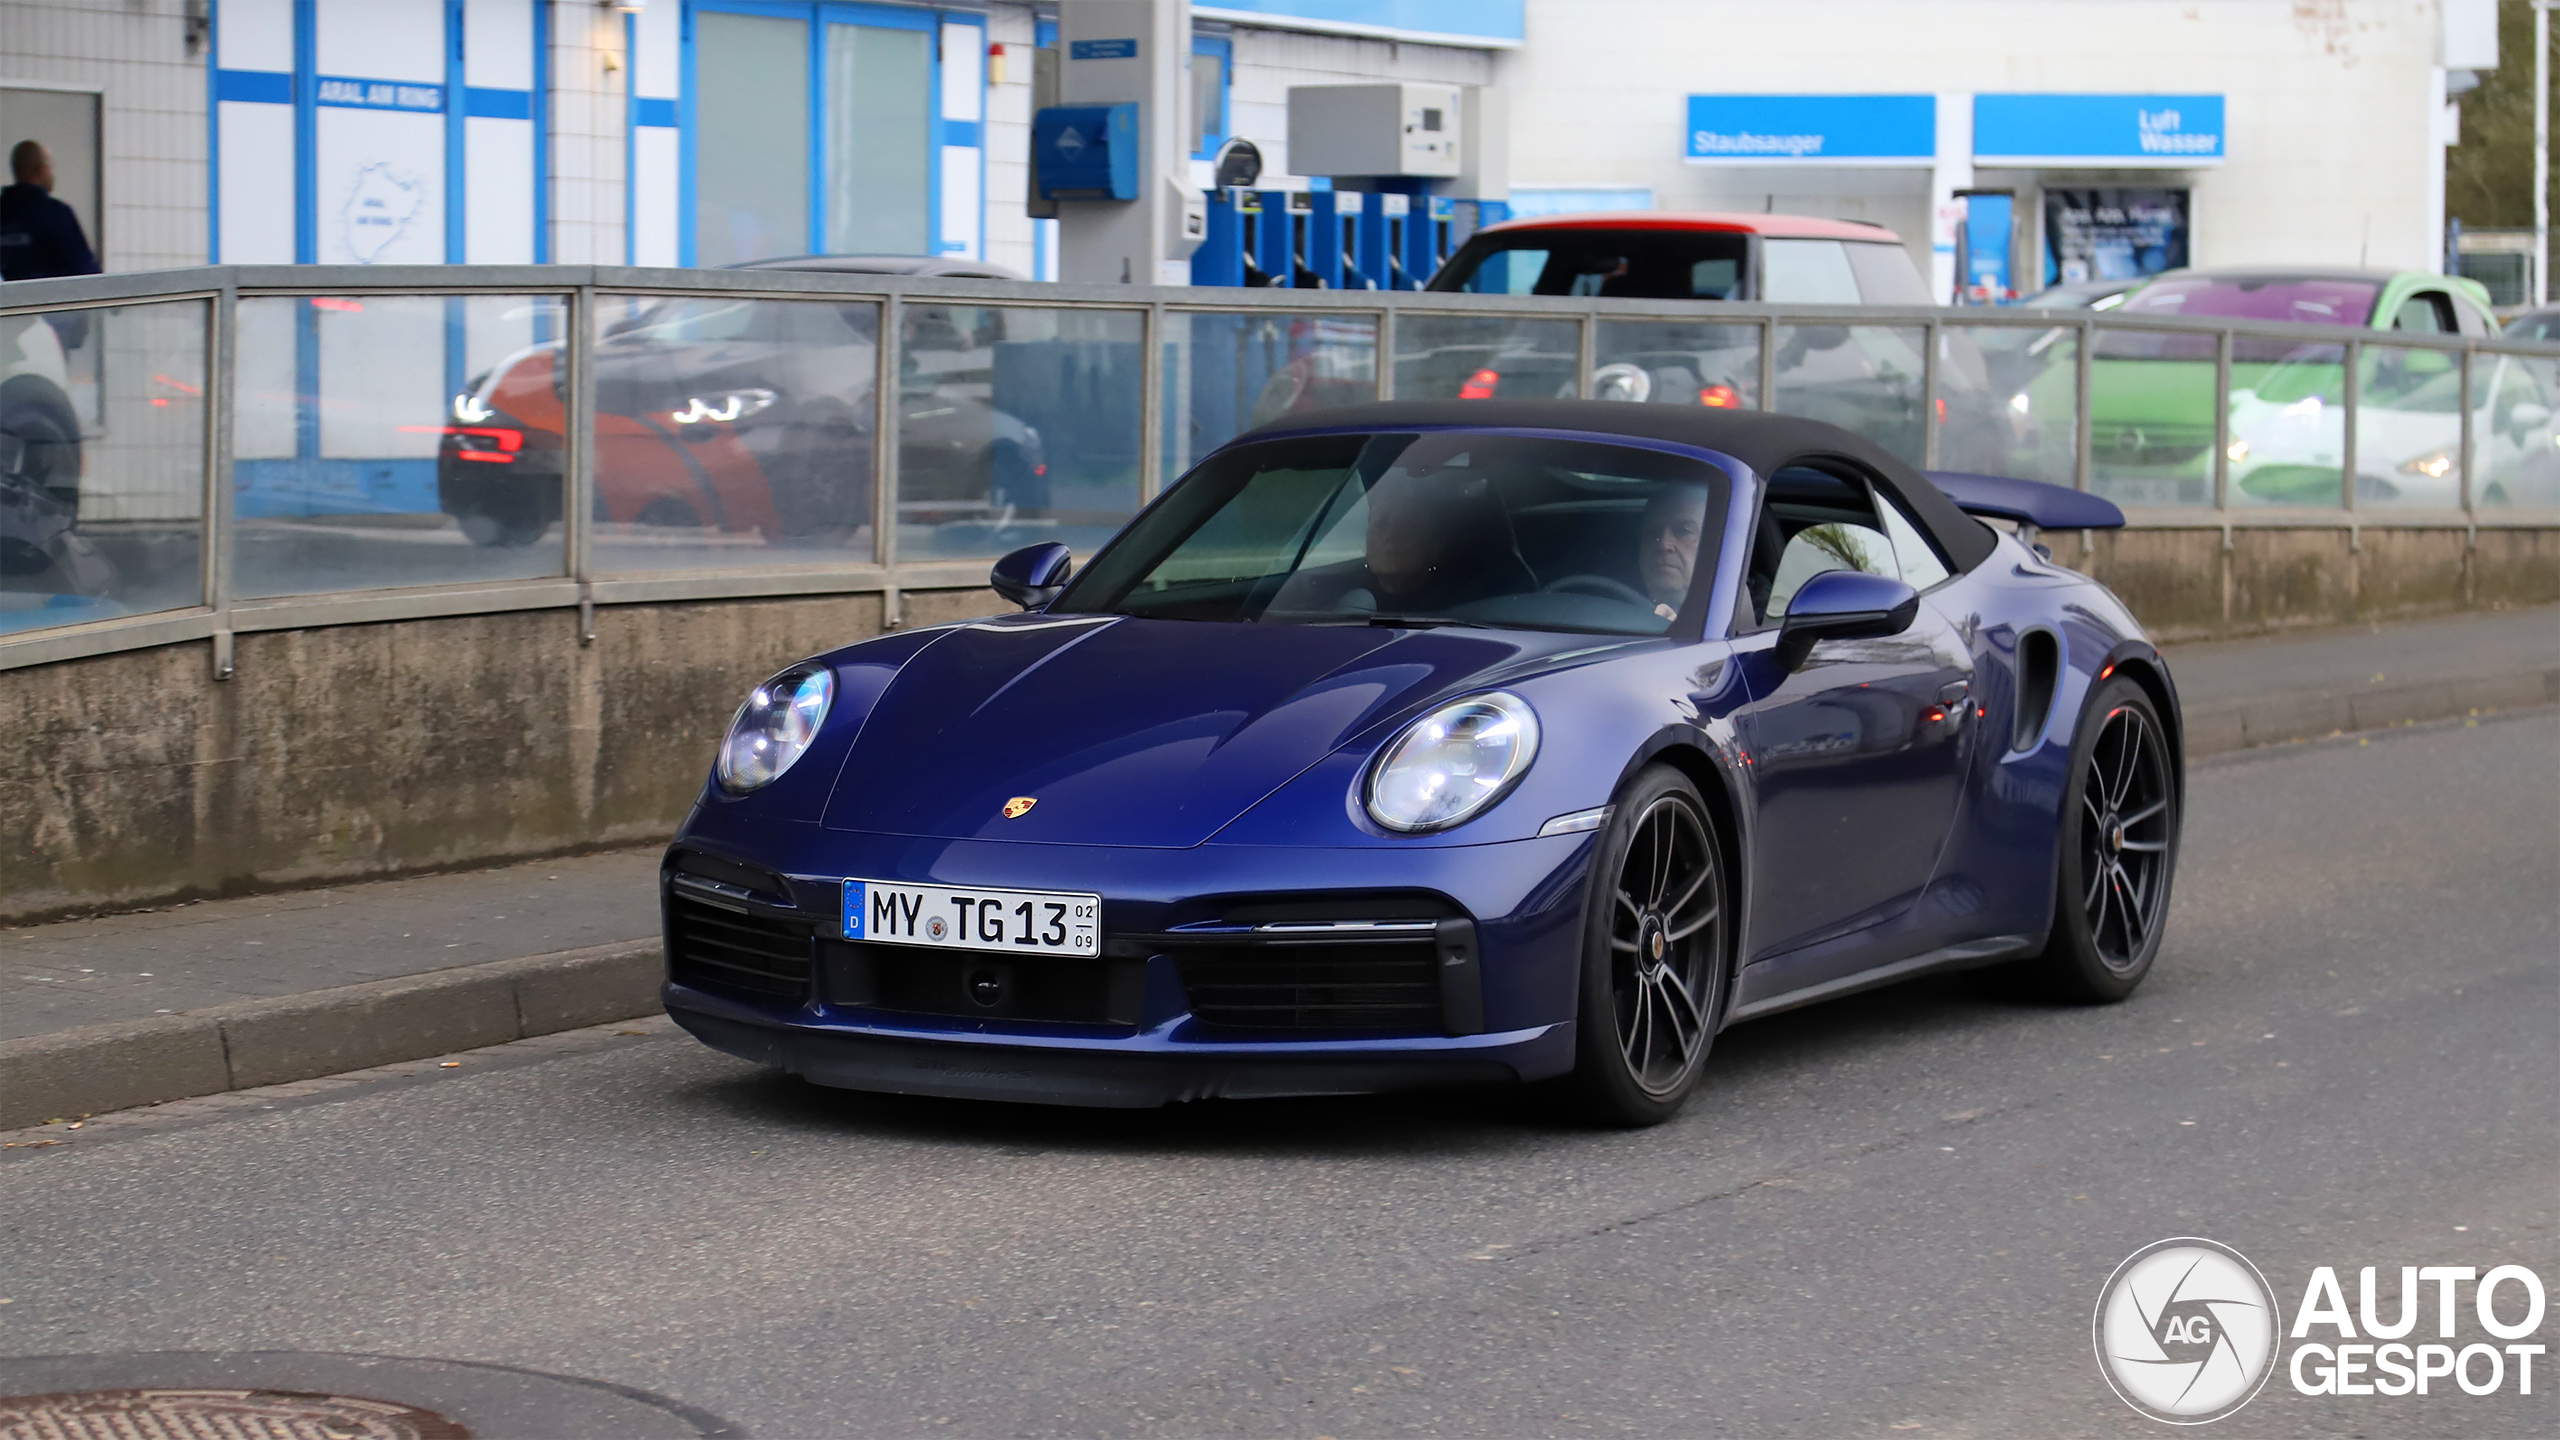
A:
[(98, 1068), (2310, 714)]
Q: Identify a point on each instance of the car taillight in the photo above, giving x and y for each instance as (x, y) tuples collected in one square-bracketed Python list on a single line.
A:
[(1721, 397), (1942, 409), (470, 442), (1480, 385)]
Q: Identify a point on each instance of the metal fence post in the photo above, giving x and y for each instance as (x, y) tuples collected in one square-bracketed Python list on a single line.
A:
[(2347, 444), (1151, 408), (2084, 363), (1769, 362), (1933, 414), (884, 452), (1387, 350), (222, 343), (1586, 352), (2222, 420), (579, 445), (2469, 487)]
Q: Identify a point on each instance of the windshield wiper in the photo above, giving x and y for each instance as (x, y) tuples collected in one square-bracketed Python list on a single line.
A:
[(1415, 622)]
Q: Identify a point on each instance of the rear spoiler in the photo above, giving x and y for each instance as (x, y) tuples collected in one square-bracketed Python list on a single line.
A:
[(2028, 502)]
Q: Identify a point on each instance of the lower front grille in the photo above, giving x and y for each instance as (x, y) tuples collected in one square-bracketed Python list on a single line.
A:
[(721, 949), (1392, 986)]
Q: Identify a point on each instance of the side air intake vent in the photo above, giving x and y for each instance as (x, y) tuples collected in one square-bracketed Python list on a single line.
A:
[(2039, 674)]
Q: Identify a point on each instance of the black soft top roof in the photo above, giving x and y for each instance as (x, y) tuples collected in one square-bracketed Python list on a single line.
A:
[(1763, 441)]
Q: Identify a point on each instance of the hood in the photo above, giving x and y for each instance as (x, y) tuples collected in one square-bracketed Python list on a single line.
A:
[(1126, 731)]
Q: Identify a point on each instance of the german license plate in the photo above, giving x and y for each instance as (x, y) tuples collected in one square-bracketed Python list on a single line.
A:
[(1016, 922)]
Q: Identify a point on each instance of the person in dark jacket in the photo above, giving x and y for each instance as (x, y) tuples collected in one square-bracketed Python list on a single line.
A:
[(39, 236)]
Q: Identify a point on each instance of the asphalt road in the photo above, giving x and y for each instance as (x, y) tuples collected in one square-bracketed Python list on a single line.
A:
[(1891, 1214)]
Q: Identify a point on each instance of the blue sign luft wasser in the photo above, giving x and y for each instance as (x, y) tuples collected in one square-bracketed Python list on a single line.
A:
[(2118, 129), (1812, 129)]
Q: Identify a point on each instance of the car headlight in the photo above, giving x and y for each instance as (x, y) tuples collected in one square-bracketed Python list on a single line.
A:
[(1453, 763), (2435, 465), (774, 727), (724, 407)]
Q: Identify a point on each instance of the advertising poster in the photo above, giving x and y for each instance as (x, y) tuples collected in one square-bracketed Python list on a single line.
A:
[(2113, 234)]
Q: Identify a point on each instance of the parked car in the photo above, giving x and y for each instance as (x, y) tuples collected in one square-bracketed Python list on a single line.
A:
[(1433, 742), (2288, 432), (2152, 395), (736, 415), (1864, 378), (2542, 325), (2084, 295)]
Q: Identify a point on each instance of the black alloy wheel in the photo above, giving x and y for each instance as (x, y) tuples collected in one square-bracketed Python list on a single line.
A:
[(1655, 954), (2119, 851)]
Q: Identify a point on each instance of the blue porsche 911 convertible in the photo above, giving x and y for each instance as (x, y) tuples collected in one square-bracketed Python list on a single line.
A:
[(1416, 743)]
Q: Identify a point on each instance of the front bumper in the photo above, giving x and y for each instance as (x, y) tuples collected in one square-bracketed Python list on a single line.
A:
[(1155, 1018), (1133, 1073)]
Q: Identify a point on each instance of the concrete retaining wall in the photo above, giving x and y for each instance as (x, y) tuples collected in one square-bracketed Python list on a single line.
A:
[(369, 750)]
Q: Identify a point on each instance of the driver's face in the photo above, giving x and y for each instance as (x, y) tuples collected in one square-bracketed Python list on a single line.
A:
[(1667, 545)]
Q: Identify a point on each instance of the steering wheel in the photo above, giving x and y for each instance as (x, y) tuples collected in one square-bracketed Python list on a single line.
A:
[(1600, 585)]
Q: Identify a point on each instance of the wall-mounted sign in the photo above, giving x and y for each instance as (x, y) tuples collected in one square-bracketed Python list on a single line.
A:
[(2173, 131), (1812, 130), (1103, 50), (2113, 234)]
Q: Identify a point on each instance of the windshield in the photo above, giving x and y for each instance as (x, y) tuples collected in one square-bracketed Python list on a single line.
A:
[(1647, 264), (1443, 528), (2304, 302)]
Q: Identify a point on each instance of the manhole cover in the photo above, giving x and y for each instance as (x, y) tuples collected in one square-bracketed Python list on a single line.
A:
[(216, 1415)]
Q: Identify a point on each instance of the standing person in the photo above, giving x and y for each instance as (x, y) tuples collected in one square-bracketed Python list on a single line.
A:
[(39, 236)]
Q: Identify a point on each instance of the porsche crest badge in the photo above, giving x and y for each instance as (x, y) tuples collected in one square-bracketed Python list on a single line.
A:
[(1018, 806)]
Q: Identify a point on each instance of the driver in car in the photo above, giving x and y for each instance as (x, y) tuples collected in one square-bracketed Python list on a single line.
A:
[(1667, 545)]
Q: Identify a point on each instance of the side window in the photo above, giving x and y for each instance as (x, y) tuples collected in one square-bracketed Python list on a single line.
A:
[(1886, 275), (2425, 314), (1814, 521), (1921, 567), (1806, 272)]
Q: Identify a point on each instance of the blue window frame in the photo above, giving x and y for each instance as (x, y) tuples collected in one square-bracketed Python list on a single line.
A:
[(810, 223), (1209, 95)]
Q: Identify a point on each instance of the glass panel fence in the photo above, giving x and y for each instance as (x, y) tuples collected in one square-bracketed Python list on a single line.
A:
[(395, 440), (1016, 424), (1225, 374), (1480, 357), (733, 432), (2408, 428), (102, 463), (2288, 422), (2515, 444), (2151, 400), (1677, 363), (2011, 396), (1864, 378)]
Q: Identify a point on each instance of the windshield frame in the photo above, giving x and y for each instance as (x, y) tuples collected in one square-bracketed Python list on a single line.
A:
[(1706, 611)]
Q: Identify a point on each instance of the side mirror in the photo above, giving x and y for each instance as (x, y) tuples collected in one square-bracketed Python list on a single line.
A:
[(1033, 575), (2528, 416), (1843, 605)]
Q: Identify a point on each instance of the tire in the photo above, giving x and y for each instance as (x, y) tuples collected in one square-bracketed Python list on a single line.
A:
[(48, 444), (1656, 955), (2119, 852)]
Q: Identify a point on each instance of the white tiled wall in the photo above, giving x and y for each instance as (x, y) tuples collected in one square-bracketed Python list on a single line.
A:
[(134, 53), (590, 89)]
